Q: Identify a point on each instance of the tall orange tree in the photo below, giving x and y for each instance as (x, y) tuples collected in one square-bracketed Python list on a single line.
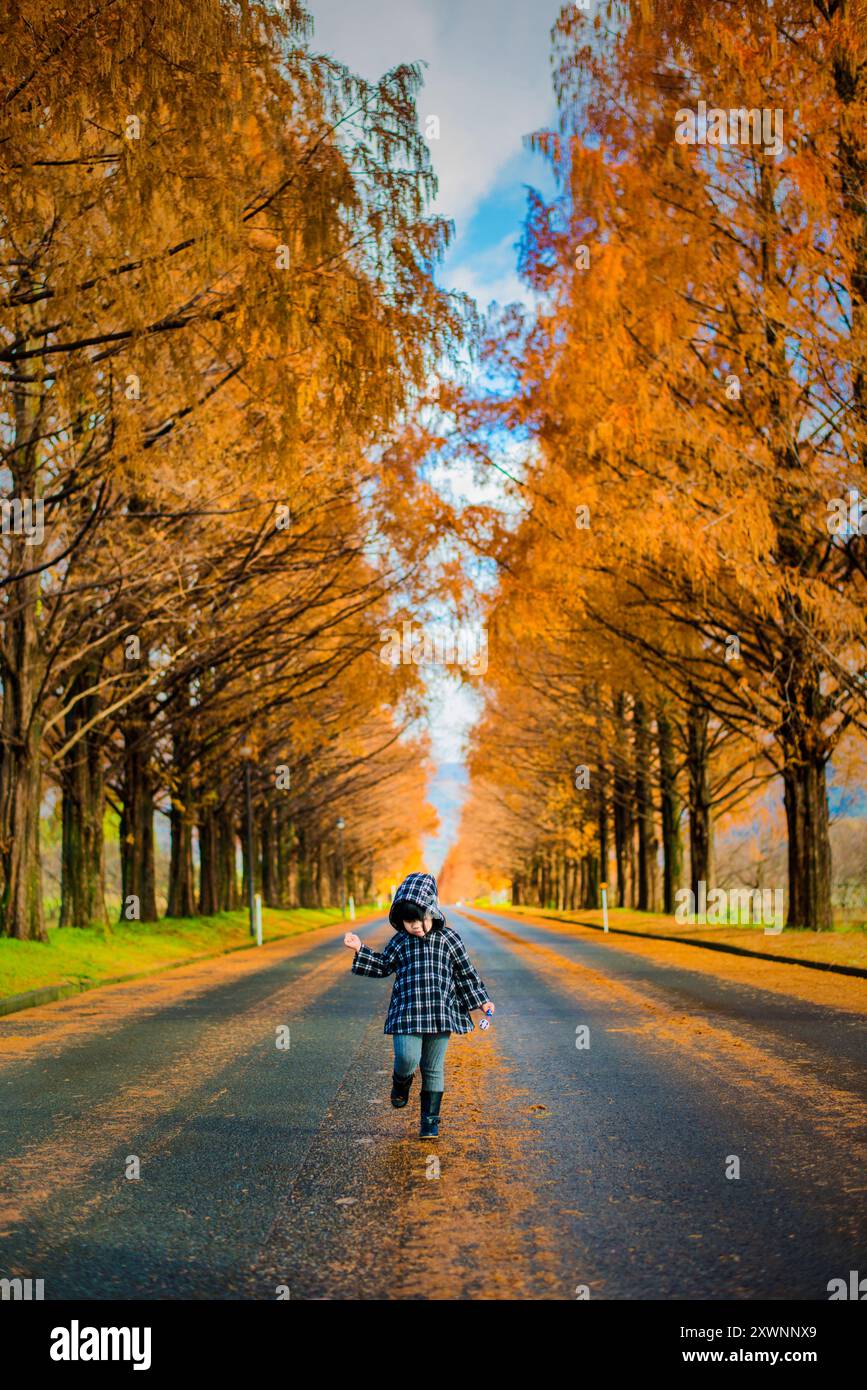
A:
[(217, 297)]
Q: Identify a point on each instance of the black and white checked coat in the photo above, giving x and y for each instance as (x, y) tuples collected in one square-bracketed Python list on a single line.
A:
[(435, 982)]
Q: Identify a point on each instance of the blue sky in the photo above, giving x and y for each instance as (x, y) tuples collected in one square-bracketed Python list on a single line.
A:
[(488, 80)]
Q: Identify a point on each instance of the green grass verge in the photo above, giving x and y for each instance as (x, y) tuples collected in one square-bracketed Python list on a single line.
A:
[(73, 955)]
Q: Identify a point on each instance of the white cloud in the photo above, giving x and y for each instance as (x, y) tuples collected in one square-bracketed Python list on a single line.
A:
[(489, 275), (488, 78)]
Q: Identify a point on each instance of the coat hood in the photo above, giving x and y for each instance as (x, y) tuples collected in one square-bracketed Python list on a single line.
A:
[(420, 889)]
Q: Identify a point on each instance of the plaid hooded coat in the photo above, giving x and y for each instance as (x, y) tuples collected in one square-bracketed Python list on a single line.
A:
[(435, 982)]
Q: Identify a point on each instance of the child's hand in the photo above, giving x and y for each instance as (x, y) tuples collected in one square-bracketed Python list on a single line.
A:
[(352, 941), (487, 1009)]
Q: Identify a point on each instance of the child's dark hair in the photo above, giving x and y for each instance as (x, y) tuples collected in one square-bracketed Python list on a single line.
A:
[(403, 911)]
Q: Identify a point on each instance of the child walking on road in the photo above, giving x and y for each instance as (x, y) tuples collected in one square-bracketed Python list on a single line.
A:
[(435, 990)]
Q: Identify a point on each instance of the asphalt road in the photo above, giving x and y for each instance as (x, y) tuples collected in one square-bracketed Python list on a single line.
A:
[(604, 1168)]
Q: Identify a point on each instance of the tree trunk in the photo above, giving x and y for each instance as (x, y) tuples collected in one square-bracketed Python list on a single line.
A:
[(282, 834), (805, 796), (643, 803), (806, 802), (632, 868), (303, 868), (228, 897), (21, 674), (21, 789), (137, 860), (209, 893), (269, 857), (602, 822), (591, 881), (82, 861), (317, 878), (700, 821), (621, 800), (672, 849), (182, 883), (248, 868)]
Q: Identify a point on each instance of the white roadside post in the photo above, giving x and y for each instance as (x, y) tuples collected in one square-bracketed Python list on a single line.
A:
[(258, 919), (351, 908), (604, 887)]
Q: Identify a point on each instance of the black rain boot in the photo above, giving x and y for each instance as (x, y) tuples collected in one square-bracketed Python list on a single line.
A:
[(430, 1114), (400, 1089)]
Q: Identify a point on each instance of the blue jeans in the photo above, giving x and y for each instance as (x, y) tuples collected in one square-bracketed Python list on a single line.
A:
[(427, 1048)]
